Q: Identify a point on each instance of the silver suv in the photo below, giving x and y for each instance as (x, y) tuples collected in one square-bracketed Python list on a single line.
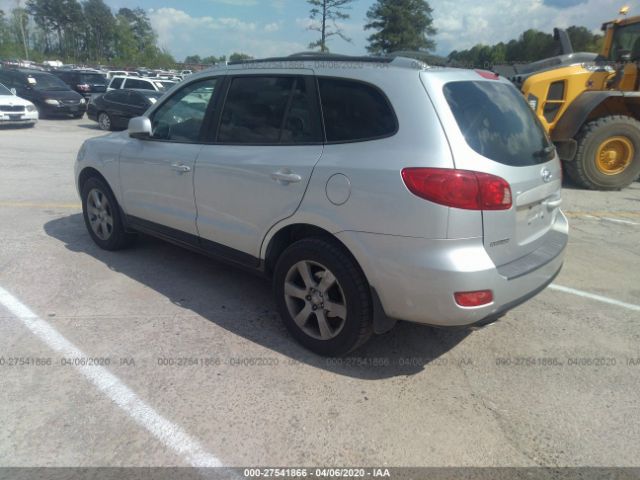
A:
[(367, 189)]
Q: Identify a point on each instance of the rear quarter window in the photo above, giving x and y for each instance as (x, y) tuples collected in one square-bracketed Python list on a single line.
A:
[(116, 82), (354, 111), (139, 84), (497, 122)]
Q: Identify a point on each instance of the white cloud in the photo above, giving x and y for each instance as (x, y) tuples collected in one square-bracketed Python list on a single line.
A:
[(272, 27), (183, 34), (464, 23), (238, 3)]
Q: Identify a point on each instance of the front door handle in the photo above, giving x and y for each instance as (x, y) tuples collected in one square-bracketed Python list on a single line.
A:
[(285, 177), (180, 168)]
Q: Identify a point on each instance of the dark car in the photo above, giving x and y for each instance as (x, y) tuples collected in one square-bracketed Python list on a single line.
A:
[(86, 82), (113, 110), (47, 92)]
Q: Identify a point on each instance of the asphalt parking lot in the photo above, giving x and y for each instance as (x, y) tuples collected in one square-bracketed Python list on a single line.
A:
[(190, 365)]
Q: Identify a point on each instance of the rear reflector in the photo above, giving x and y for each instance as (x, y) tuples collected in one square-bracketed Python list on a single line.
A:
[(474, 299), (459, 188)]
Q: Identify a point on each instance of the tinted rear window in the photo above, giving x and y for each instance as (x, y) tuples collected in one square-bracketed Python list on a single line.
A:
[(141, 84), (498, 123), (116, 82), (269, 110), (117, 96), (354, 111), (92, 79)]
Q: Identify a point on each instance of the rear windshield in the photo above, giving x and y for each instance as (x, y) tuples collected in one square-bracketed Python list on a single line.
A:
[(92, 79), (498, 123)]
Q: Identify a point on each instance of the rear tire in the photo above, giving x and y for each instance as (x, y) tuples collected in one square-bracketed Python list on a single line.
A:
[(102, 216), (104, 121), (608, 156), (323, 297)]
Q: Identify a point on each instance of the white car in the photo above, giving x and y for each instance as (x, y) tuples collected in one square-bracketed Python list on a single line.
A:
[(15, 110), (157, 85)]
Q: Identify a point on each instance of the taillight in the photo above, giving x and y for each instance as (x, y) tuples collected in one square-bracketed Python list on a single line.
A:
[(459, 188), (84, 87), (474, 299)]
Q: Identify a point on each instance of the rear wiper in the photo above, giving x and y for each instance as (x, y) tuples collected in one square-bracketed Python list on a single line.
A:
[(545, 152)]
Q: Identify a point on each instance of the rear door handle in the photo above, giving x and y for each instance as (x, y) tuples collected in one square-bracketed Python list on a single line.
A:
[(286, 177), (180, 168)]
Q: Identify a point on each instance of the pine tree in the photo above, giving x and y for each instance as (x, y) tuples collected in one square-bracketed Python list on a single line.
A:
[(400, 25), (325, 14)]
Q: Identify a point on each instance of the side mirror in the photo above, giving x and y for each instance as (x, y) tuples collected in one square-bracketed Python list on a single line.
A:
[(140, 127), (13, 90)]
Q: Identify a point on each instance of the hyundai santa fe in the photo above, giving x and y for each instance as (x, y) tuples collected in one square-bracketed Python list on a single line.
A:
[(369, 190)]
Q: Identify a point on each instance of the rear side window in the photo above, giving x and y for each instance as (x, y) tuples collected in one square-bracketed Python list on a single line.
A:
[(137, 100), (118, 96), (354, 111), (268, 110), (498, 123), (116, 82), (139, 84)]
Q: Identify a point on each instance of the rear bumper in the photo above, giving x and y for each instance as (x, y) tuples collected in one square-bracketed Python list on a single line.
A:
[(416, 278)]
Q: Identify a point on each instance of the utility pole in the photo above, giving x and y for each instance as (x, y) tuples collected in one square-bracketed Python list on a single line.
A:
[(21, 19)]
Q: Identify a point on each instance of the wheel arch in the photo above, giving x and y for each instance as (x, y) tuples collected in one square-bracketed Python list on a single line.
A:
[(592, 105), (291, 233), (86, 173)]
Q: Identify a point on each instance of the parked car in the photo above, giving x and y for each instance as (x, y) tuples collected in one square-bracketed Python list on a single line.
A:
[(114, 109), (365, 194), (47, 92), (85, 82), (15, 110), (116, 73), (139, 84)]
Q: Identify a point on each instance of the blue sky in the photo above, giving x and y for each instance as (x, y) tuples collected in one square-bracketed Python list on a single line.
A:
[(278, 27)]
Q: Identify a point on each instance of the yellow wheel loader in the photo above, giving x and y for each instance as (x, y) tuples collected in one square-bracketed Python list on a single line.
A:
[(592, 110)]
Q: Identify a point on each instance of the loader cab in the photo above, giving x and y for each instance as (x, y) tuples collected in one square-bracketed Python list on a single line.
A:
[(622, 40)]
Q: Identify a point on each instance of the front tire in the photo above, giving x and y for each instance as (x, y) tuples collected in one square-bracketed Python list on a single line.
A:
[(102, 216), (323, 297), (608, 156)]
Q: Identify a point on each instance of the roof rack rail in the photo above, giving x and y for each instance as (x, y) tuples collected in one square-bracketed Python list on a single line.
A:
[(316, 57), (317, 54), (425, 57)]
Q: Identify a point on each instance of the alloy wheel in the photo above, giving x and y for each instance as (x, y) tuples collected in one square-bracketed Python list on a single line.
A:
[(315, 300), (100, 214)]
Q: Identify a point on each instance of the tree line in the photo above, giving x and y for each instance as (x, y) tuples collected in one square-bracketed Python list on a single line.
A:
[(532, 45), (88, 31), (80, 32)]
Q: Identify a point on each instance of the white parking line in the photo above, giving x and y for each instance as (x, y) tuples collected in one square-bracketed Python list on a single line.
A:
[(617, 220), (170, 434), (593, 296)]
